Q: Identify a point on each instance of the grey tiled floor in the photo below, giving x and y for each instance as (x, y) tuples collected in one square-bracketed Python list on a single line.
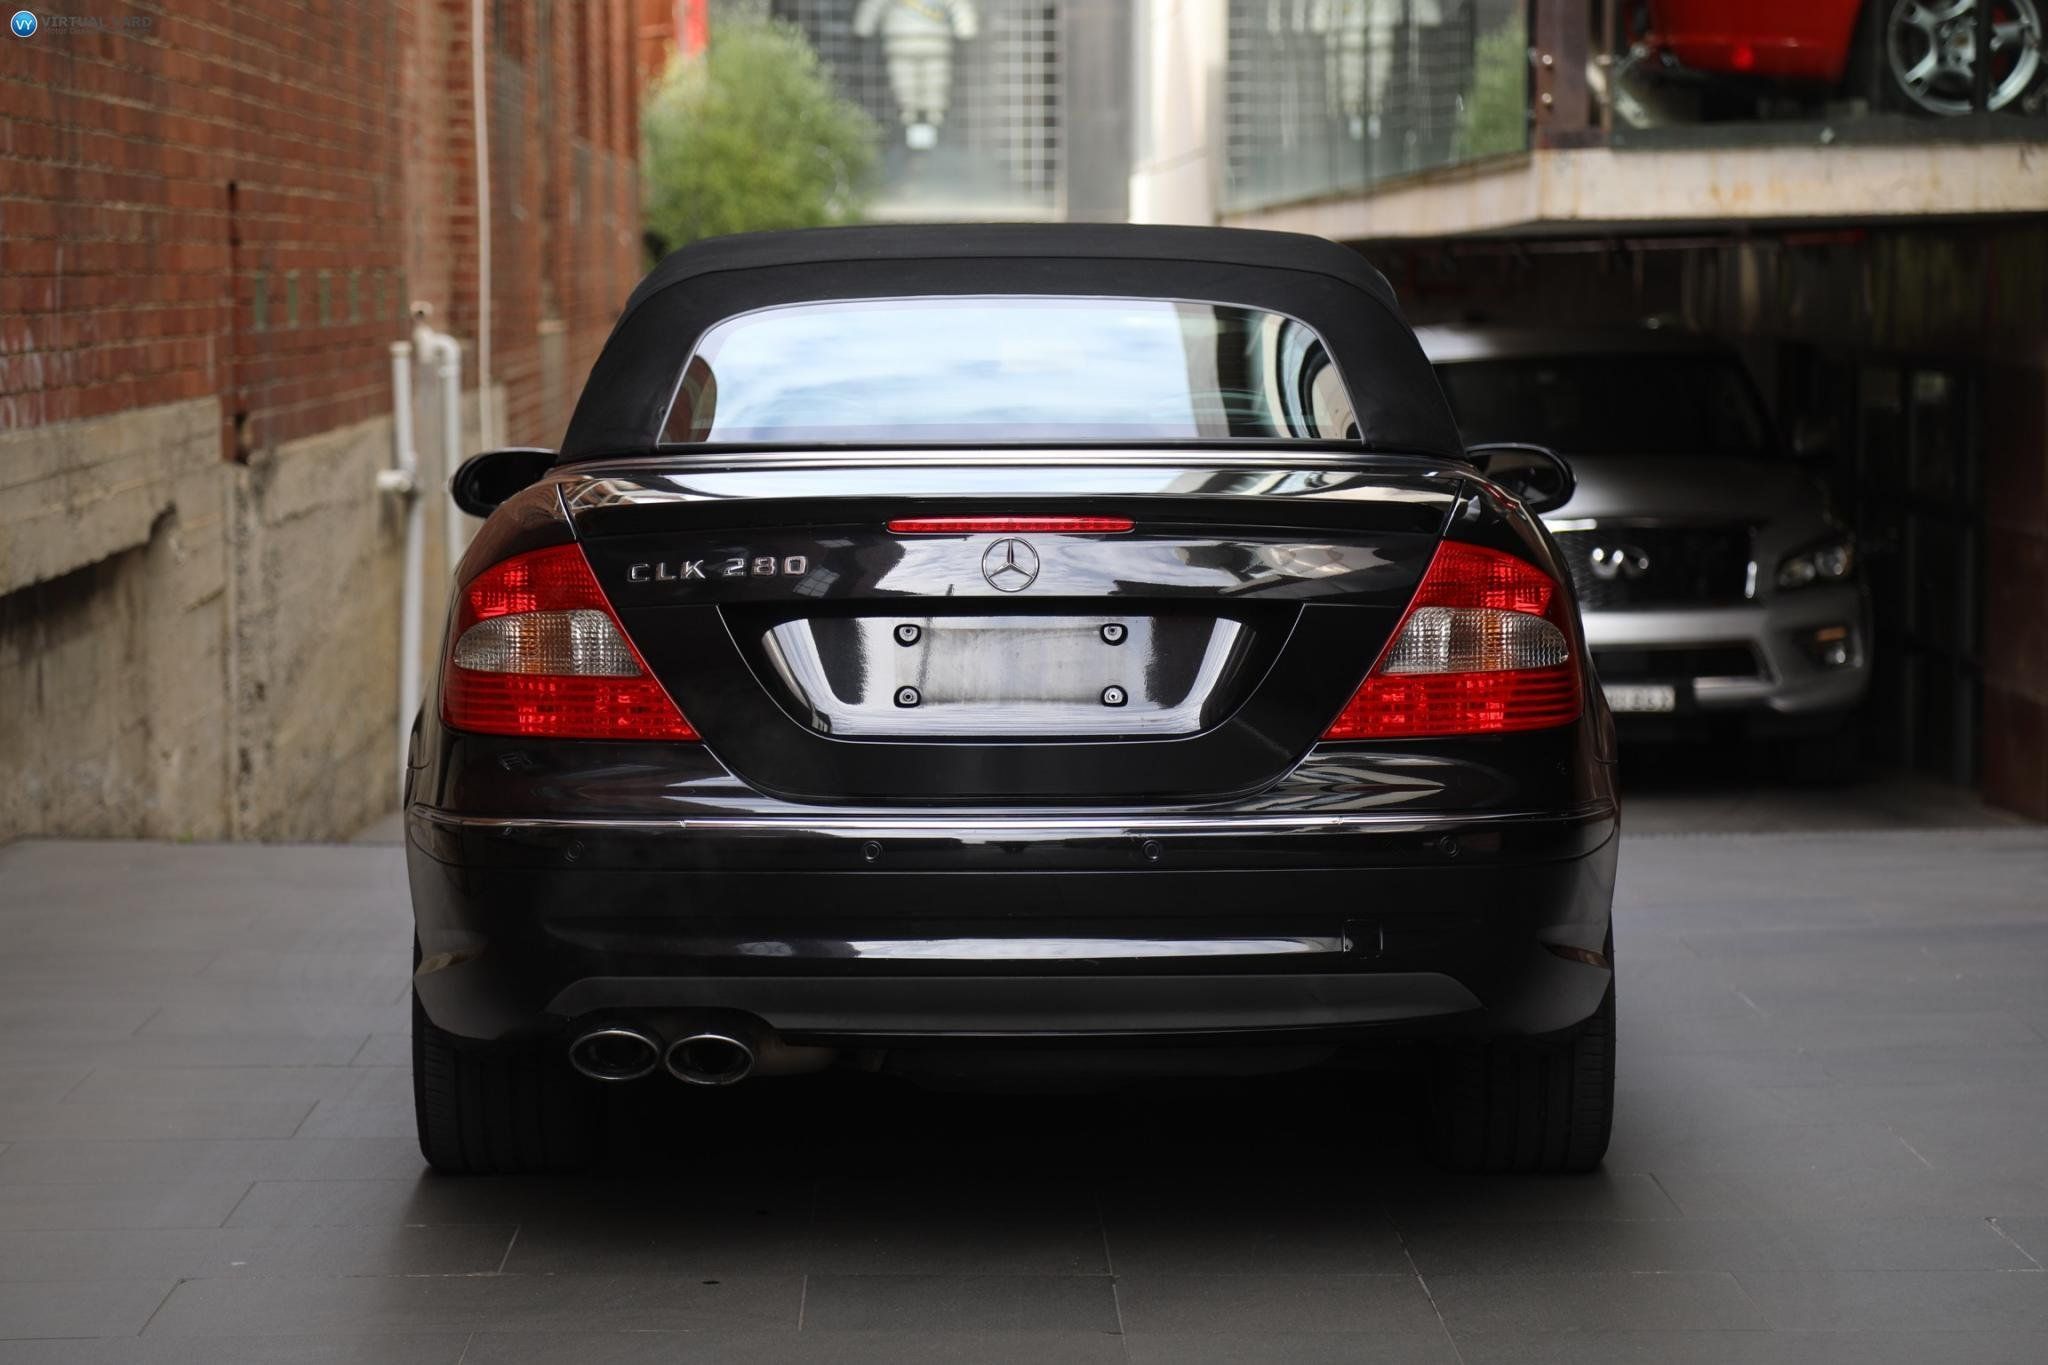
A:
[(1832, 1147)]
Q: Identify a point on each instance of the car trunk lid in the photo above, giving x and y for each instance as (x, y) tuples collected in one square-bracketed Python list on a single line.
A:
[(827, 657)]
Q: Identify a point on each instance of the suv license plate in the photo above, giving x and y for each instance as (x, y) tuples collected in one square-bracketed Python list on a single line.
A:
[(1638, 699)]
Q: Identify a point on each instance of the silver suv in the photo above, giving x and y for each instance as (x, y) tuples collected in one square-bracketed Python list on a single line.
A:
[(1713, 579)]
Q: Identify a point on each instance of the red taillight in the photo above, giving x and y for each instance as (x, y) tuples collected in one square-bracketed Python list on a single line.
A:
[(1484, 648), (941, 526), (539, 651)]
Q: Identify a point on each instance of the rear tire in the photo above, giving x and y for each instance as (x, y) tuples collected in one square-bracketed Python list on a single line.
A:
[(495, 1108), (1526, 1104)]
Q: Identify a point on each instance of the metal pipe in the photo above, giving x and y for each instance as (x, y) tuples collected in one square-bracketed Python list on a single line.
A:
[(710, 1059), (449, 373), (445, 352), (615, 1054), (479, 105), (402, 480)]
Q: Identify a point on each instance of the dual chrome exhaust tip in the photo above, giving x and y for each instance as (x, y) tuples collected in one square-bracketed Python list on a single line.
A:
[(621, 1053)]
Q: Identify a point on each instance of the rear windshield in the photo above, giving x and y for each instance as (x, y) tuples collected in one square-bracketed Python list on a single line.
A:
[(1009, 369), (1610, 404)]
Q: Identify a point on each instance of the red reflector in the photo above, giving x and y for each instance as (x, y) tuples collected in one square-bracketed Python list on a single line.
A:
[(562, 707), (611, 699), (1418, 705), (968, 526), (1414, 703)]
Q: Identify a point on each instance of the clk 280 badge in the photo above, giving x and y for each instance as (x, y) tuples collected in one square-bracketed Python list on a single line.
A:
[(737, 566)]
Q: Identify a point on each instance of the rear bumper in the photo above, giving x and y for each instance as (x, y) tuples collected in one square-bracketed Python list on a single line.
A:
[(852, 929)]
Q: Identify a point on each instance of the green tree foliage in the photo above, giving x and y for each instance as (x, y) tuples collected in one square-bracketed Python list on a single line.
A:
[(1496, 115), (750, 136)]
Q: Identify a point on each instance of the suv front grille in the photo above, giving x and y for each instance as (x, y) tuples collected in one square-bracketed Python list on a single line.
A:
[(1621, 567)]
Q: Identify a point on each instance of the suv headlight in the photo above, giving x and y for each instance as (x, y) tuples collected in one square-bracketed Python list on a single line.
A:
[(1831, 561)]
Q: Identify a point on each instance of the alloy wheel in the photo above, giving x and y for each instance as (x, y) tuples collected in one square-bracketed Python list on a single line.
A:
[(1931, 51)]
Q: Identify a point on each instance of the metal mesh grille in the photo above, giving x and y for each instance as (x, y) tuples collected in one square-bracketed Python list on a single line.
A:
[(1619, 567), (1328, 95), (996, 151)]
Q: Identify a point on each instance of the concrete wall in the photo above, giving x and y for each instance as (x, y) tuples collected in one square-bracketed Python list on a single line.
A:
[(227, 666), (113, 604)]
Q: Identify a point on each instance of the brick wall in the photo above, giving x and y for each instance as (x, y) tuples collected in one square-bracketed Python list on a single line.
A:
[(228, 209)]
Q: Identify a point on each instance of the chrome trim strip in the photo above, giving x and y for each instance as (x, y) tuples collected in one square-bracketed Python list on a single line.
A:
[(1014, 827), (1083, 949), (669, 479)]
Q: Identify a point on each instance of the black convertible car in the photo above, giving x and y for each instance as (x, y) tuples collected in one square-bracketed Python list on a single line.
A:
[(1008, 649)]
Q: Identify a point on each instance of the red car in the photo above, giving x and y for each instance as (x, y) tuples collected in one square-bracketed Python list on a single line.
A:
[(1926, 49)]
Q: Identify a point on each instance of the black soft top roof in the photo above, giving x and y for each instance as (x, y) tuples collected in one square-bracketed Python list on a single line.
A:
[(1329, 287)]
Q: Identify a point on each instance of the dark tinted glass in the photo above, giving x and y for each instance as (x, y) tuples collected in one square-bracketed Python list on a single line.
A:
[(1009, 369), (1610, 405)]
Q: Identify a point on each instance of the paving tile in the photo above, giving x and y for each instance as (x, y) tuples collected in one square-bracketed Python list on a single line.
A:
[(427, 1199), (953, 1303), (1770, 1147), (1431, 1196), (1963, 1104), (1752, 1348), (793, 1348), (2023, 1065), (1487, 1248), (958, 1242), (419, 1348), (316, 1305), (1193, 1239), (192, 1253), (157, 1052), (1675, 1301), (384, 1049), (38, 1084), (374, 1203), (1828, 1034), (79, 1308), (294, 1016), (1293, 1348), (1852, 1193), (143, 1203), (71, 1020), (1904, 1300), (301, 1084), (390, 1119), (249, 1160), (716, 1242), (1264, 1304), (2030, 1235), (158, 1120), (20, 963)]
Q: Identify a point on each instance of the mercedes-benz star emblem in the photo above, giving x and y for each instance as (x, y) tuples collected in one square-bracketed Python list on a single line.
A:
[(1010, 565)]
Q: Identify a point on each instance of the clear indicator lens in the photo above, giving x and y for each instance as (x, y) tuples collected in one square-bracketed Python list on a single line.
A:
[(578, 643), (1475, 640)]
